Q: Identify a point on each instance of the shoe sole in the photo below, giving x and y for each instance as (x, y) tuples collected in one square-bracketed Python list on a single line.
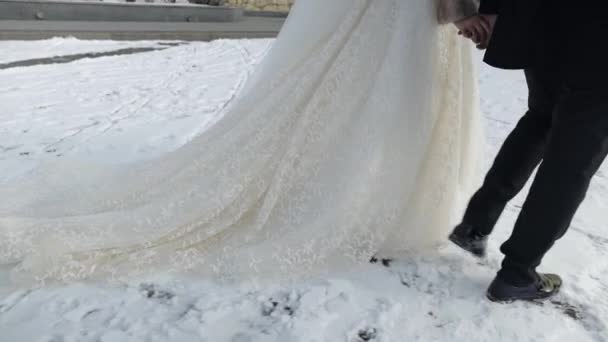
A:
[(463, 247)]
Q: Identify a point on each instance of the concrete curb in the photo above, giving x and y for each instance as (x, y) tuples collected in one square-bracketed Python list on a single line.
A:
[(266, 14), (249, 27)]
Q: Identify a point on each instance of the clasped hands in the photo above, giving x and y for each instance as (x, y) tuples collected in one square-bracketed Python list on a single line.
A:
[(478, 28)]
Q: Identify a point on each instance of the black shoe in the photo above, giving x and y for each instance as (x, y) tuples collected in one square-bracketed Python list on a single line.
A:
[(466, 238), (547, 285)]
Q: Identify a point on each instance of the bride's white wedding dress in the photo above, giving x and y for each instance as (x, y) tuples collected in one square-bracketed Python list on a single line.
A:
[(357, 135)]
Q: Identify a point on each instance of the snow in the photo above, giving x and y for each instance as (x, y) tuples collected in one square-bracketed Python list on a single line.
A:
[(138, 106), (13, 51), (103, 110)]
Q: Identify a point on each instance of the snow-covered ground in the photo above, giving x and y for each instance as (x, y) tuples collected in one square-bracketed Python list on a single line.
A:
[(14, 51), (140, 105)]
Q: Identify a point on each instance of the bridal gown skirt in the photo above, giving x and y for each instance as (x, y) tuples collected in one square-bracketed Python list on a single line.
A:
[(358, 135)]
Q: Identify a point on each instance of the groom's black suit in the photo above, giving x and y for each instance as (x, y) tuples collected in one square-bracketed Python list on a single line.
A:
[(561, 46)]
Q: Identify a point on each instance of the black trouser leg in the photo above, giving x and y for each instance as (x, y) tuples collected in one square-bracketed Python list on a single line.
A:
[(519, 155), (577, 148)]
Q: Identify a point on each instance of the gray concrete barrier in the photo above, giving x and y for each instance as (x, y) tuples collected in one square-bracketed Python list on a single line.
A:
[(248, 27), (132, 12)]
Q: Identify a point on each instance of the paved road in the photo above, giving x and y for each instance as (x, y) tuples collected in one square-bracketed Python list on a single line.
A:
[(249, 27)]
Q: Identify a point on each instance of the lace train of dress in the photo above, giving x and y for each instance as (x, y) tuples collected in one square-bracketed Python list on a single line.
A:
[(357, 135)]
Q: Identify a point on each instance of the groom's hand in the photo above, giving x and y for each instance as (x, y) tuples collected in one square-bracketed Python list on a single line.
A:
[(474, 28), (490, 21)]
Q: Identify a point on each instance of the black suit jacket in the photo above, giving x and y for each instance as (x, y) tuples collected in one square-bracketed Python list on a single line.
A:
[(518, 31), (570, 35)]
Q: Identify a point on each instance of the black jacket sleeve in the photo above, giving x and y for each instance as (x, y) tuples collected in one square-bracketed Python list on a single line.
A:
[(490, 6)]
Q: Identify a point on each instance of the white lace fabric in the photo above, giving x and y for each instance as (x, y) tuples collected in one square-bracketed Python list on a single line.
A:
[(362, 141)]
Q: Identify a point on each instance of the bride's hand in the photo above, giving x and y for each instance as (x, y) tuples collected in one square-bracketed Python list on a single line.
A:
[(475, 28)]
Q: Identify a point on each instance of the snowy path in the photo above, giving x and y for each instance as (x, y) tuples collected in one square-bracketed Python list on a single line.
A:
[(95, 107), (138, 106), (19, 50)]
